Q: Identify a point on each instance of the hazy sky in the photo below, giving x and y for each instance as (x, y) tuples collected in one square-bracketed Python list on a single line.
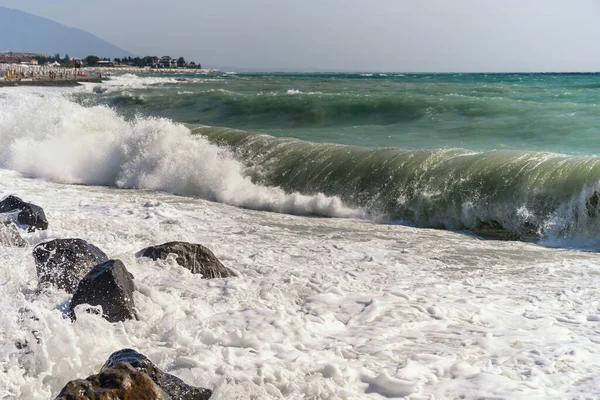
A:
[(378, 35)]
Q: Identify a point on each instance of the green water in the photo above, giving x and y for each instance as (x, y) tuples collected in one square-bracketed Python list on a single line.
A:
[(509, 156), (542, 112)]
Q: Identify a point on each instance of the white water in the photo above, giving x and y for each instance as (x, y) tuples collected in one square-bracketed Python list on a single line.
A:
[(296, 91), (322, 309), (132, 81), (47, 136)]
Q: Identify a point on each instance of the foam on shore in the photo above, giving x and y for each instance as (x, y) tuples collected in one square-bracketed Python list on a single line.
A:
[(323, 308)]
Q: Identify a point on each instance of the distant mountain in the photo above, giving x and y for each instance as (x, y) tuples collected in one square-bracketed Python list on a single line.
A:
[(23, 32)]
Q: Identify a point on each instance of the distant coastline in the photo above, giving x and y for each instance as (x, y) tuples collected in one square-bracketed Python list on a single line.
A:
[(146, 70), (15, 75)]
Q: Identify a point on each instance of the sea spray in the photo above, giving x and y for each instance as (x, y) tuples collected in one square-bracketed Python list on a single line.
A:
[(50, 137)]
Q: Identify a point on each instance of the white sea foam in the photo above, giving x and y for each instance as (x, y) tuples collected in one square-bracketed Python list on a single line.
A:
[(323, 308), (132, 81), (295, 91), (48, 136)]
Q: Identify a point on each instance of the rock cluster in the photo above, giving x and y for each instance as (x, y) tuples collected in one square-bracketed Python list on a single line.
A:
[(86, 272)]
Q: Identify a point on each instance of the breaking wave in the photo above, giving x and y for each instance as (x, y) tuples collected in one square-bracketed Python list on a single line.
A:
[(50, 137), (531, 196)]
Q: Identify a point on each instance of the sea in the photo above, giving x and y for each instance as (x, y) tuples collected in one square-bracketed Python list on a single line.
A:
[(412, 236)]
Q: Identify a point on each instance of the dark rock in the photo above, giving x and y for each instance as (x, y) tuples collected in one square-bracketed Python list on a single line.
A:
[(172, 385), (64, 262), (29, 214), (195, 257), (9, 235), (117, 383), (33, 216), (99, 89), (109, 285), (10, 203)]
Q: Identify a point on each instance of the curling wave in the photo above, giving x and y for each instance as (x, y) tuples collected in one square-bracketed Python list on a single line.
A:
[(531, 196), (521, 195)]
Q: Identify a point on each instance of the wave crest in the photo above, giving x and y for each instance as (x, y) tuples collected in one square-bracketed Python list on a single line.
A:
[(503, 194), (50, 137)]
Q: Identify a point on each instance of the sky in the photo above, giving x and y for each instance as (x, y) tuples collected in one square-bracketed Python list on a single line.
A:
[(337, 35)]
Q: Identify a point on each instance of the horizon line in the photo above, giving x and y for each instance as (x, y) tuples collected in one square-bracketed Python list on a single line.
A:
[(342, 71)]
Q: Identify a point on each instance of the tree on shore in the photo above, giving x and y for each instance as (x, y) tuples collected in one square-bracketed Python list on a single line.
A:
[(42, 59), (92, 61), (148, 61), (181, 62)]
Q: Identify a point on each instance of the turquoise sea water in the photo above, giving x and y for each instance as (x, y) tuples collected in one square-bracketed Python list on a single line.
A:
[(547, 112), (507, 155)]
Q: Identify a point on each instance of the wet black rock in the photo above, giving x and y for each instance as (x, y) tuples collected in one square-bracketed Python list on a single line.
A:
[(110, 286), (10, 203), (99, 89), (64, 262), (29, 214), (117, 383), (173, 386), (10, 236), (195, 257)]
